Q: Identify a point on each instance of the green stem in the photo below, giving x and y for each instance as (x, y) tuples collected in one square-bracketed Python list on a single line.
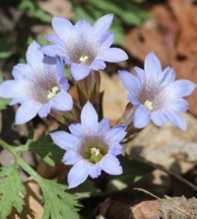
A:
[(26, 167)]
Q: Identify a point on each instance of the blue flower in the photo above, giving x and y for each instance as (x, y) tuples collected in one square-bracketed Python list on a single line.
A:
[(38, 87), (84, 47), (155, 94), (91, 146)]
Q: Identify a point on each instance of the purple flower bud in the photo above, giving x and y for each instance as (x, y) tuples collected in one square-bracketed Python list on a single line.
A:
[(155, 94), (83, 46), (38, 87), (91, 146)]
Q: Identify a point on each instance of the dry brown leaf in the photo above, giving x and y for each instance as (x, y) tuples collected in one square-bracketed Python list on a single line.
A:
[(168, 208), (115, 97), (146, 210), (172, 148), (57, 7)]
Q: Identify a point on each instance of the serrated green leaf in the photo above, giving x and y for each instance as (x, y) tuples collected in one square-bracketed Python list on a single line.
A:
[(48, 151), (58, 203), (12, 191)]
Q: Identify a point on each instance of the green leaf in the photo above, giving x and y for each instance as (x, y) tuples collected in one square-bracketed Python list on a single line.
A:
[(128, 12), (48, 151), (6, 49), (12, 191), (3, 103), (34, 10), (58, 203), (133, 171)]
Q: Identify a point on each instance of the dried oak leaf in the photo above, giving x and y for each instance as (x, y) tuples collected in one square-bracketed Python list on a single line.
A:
[(146, 210), (173, 208)]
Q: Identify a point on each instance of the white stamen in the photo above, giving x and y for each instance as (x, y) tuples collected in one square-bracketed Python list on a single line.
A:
[(95, 151), (52, 92), (149, 105), (83, 59)]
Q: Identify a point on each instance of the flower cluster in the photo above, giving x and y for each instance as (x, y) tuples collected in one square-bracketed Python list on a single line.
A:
[(91, 145)]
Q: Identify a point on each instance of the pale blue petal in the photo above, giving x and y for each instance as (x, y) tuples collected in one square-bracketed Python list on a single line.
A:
[(152, 66), (98, 65), (113, 55), (177, 120), (45, 110), (103, 24), (107, 40), (182, 88), (27, 111), (8, 89), (17, 100), (89, 117), (115, 135), (60, 74), (116, 149), (141, 117), (131, 83), (76, 129), (104, 126), (54, 39), (159, 118), (71, 157), (111, 165), (83, 25), (169, 75), (62, 27), (35, 56), (179, 105), (62, 101), (52, 51), (78, 174), (79, 71), (140, 74), (65, 140), (22, 71), (133, 98), (95, 171), (49, 60)]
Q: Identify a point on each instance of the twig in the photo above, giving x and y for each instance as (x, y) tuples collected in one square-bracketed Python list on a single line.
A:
[(180, 210)]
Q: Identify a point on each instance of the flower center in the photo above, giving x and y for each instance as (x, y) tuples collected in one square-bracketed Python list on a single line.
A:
[(95, 155), (51, 93), (93, 149), (84, 59), (149, 105)]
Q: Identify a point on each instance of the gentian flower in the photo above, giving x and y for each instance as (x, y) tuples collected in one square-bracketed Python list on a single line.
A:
[(91, 146), (37, 86), (155, 94), (83, 46)]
